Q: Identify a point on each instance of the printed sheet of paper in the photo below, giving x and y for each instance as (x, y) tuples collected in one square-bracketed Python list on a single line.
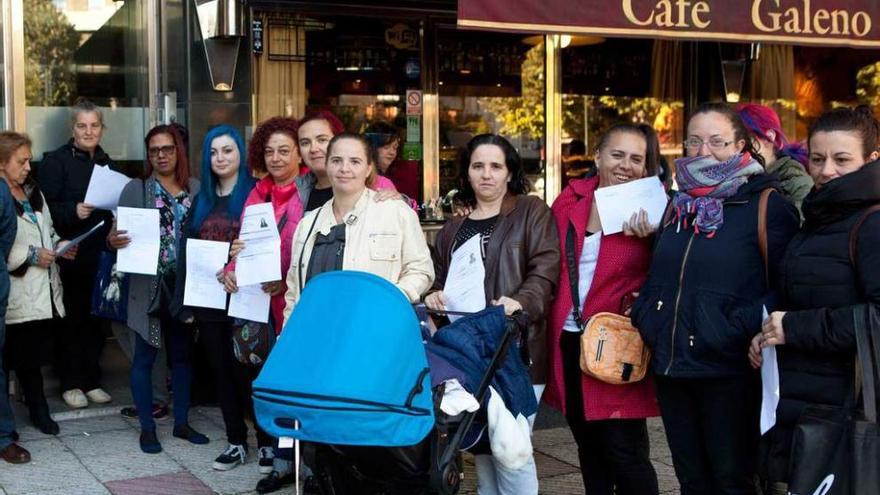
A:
[(76, 240), (260, 261), (250, 303), (105, 186), (142, 227), (464, 289), (617, 204), (769, 385), (203, 260)]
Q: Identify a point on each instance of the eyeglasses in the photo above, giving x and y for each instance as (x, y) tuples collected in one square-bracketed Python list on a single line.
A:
[(715, 143), (167, 150)]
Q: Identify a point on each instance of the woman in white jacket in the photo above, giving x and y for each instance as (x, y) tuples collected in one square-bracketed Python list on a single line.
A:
[(354, 232), (35, 294)]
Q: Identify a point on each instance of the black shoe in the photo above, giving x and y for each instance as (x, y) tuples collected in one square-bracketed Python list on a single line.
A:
[(311, 486), (43, 422), (231, 457), (275, 482), (187, 433), (150, 443)]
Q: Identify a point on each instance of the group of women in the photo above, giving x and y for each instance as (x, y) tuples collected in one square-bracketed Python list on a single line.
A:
[(732, 245)]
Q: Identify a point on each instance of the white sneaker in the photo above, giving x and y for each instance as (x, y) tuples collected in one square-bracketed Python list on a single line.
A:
[(230, 458), (98, 396), (75, 399), (267, 459)]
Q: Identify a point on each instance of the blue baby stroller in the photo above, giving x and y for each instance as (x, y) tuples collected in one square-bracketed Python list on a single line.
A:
[(351, 374)]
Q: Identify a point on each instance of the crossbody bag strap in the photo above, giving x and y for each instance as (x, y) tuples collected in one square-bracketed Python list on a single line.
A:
[(866, 363), (573, 275), (854, 234), (762, 232), (303, 252)]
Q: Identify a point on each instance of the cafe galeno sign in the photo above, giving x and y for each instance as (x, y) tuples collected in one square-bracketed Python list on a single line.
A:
[(817, 22)]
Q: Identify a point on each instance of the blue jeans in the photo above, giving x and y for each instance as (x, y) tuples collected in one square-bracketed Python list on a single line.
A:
[(179, 346), (495, 479), (7, 420)]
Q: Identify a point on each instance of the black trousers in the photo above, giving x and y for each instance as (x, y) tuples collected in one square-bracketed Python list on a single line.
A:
[(712, 430), (233, 381), (81, 341), (614, 453)]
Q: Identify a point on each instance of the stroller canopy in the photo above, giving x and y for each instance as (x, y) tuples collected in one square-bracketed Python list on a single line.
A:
[(349, 367)]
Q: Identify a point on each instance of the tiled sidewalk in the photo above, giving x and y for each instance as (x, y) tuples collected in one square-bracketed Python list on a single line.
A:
[(100, 455)]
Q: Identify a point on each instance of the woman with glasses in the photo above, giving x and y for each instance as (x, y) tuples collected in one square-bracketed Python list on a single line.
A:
[(786, 160), (703, 302), (168, 188), (64, 176)]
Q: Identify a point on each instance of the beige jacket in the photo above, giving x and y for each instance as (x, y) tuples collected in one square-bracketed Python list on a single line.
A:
[(32, 295), (382, 238)]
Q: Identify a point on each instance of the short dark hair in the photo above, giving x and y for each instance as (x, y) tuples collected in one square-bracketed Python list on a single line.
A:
[(740, 132), (336, 125), (519, 183), (382, 133), (577, 147), (860, 120), (652, 148)]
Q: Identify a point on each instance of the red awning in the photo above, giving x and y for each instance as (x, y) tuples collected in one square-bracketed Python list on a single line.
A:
[(854, 23)]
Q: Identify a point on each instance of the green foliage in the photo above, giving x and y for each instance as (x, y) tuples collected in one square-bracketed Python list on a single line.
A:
[(50, 43), (523, 114), (868, 85)]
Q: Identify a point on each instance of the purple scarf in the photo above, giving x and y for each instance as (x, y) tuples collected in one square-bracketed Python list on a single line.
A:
[(704, 184)]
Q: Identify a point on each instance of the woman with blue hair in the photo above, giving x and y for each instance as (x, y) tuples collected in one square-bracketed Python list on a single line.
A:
[(215, 217)]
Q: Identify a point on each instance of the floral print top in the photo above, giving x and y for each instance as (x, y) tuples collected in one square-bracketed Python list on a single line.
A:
[(172, 214)]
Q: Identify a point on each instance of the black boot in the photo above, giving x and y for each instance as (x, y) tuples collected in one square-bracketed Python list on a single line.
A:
[(42, 420)]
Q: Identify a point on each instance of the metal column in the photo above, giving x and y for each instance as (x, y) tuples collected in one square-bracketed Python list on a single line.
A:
[(552, 117), (13, 64)]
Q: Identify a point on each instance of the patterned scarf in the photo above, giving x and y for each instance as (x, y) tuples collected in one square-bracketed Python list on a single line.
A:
[(704, 184)]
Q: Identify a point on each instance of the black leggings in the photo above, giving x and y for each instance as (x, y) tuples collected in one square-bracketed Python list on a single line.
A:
[(613, 453), (233, 381)]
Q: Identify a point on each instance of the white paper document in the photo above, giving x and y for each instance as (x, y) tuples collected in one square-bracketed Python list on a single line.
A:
[(76, 240), (105, 186), (464, 289), (203, 260), (617, 204), (142, 227), (769, 385), (260, 260), (250, 303)]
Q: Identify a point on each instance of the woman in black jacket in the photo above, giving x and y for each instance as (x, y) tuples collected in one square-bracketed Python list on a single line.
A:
[(702, 302), (64, 176), (820, 285)]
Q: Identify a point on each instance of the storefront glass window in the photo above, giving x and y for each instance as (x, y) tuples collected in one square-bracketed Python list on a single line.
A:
[(606, 82), (490, 83), (2, 79), (92, 50), (359, 69)]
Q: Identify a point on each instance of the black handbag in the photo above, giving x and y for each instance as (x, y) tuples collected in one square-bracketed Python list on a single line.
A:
[(836, 450)]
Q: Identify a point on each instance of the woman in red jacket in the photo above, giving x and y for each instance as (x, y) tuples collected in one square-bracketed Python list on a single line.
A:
[(607, 421)]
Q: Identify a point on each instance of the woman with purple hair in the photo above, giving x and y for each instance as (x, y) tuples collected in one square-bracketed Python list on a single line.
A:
[(786, 160)]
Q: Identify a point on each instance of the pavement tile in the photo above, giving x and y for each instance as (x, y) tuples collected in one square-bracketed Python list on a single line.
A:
[(198, 459), (116, 455), (549, 466), (53, 468), (552, 436), (168, 484), (571, 483)]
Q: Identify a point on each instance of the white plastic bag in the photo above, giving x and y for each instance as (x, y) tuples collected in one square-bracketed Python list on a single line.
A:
[(510, 439)]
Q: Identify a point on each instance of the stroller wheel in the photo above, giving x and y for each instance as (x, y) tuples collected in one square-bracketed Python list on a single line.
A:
[(451, 479)]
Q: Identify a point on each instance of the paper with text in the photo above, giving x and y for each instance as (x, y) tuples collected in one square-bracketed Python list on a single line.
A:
[(616, 204), (260, 260), (142, 227), (203, 260)]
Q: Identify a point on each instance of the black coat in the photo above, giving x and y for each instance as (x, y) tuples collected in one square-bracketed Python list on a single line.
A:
[(64, 176), (820, 289), (702, 301)]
